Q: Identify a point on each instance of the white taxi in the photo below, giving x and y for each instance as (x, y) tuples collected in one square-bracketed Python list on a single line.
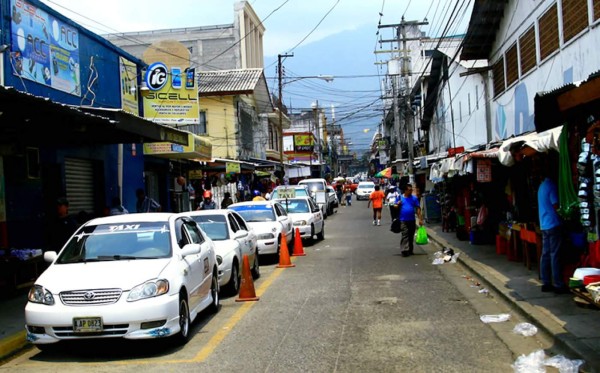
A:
[(364, 189), (133, 276), (233, 239), (269, 220), (306, 215)]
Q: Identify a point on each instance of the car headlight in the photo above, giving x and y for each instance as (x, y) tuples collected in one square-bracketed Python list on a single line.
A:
[(266, 236), (300, 222), (39, 294), (148, 289)]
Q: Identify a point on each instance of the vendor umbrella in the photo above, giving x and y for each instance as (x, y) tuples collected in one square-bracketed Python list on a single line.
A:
[(386, 172)]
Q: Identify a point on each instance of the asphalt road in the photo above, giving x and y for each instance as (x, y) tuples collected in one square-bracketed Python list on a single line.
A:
[(352, 304)]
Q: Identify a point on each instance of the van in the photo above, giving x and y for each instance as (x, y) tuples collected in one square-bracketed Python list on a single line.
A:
[(318, 191)]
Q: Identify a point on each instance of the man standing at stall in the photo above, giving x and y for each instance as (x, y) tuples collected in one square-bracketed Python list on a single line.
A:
[(551, 227)]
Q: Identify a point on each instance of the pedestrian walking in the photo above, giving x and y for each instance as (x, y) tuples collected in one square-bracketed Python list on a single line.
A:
[(551, 227), (408, 206), (377, 198), (348, 191), (145, 203), (390, 198)]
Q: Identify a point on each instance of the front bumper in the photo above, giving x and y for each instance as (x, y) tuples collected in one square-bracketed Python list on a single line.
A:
[(50, 324)]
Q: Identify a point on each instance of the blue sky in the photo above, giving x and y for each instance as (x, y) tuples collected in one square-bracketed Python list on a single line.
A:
[(327, 37)]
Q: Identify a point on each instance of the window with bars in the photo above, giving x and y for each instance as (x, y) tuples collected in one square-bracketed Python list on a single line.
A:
[(498, 71), (548, 29), (596, 6), (574, 18), (512, 65), (527, 50)]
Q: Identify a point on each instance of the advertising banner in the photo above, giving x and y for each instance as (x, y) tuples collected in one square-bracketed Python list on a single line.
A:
[(303, 143), (44, 49), (128, 74)]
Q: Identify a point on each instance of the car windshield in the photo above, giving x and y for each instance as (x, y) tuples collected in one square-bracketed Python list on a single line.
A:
[(215, 226), (314, 185), (299, 192), (125, 241), (366, 186), (295, 206), (255, 213)]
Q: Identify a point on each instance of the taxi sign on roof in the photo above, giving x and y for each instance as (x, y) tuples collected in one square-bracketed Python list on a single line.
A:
[(286, 193)]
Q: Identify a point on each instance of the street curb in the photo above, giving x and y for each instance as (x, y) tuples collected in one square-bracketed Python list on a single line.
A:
[(564, 338), (12, 344)]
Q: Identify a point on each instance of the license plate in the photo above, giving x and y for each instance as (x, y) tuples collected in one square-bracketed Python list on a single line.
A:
[(87, 324)]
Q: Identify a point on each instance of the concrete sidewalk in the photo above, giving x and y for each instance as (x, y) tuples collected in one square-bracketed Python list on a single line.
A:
[(576, 329)]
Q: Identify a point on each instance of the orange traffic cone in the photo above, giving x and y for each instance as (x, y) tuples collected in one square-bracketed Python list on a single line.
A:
[(247, 285), (298, 248), (284, 254)]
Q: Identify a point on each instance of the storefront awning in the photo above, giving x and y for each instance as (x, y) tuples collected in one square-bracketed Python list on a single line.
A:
[(31, 120), (199, 148), (539, 142)]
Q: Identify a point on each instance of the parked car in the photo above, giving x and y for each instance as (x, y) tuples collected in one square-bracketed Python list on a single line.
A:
[(269, 220), (318, 191), (332, 198), (306, 215), (133, 276), (233, 239), (298, 191), (364, 189)]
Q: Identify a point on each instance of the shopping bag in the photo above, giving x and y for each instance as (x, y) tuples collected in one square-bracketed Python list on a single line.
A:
[(395, 226), (421, 236)]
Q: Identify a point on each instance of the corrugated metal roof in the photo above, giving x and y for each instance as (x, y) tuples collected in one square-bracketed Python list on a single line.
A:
[(483, 26), (237, 82), (229, 81)]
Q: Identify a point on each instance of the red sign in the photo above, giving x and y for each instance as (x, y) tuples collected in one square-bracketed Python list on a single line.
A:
[(455, 151)]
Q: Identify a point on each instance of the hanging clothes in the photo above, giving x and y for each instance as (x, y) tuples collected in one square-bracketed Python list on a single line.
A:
[(566, 191)]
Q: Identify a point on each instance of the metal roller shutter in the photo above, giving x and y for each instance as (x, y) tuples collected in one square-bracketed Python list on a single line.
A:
[(79, 178)]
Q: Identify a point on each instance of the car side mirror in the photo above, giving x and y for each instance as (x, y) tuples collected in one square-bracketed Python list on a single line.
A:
[(240, 234), (190, 249)]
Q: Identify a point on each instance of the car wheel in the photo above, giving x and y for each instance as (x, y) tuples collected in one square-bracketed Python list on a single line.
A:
[(321, 235), (184, 320), (214, 292), (255, 267), (233, 286)]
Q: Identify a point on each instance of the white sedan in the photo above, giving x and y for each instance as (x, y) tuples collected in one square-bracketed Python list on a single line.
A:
[(233, 239), (269, 221), (134, 276), (364, 189), (306, 215)]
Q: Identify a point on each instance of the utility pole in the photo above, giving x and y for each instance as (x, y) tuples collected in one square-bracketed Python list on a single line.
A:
[(407, 89), (280, 105)]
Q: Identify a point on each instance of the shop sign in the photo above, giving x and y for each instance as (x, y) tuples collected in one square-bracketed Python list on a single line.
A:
[(233, 167), (455, 151), (484, 170)]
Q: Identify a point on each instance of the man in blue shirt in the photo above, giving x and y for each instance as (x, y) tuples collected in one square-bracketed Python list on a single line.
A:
[(550, 224), (408, 206)]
